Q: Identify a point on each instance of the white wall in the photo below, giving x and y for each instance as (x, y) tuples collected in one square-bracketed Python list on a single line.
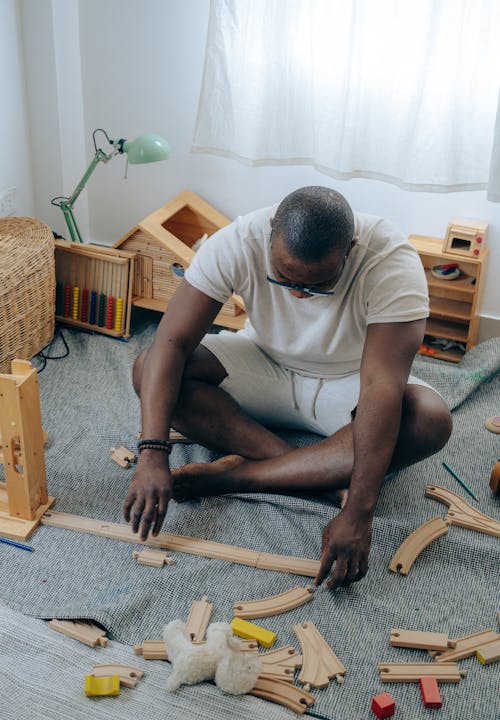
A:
[(15, 159), (141, 69)]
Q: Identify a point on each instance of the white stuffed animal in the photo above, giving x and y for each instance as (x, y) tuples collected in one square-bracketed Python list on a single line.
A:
[(220, 659)]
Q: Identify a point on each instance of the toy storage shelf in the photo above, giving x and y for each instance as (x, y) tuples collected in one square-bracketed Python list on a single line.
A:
[(454, 304), (236, 322)]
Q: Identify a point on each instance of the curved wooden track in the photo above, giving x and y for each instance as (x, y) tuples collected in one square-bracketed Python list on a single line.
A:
[(319, 662), (415, 543), (283, 693), (463, 514), (273, 605), (129, 675)]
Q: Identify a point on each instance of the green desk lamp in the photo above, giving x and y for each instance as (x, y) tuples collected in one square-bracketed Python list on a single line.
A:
[(144, 149)]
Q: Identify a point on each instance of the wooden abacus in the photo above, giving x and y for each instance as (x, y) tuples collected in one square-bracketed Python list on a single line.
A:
[(94, 287)]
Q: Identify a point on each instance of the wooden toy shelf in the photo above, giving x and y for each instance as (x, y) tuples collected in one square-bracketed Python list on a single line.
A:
[(454, 304)]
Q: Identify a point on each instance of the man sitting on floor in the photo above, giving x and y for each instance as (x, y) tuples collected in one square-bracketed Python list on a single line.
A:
[(336, 307)]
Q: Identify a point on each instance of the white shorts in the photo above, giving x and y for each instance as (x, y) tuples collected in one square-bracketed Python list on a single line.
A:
[(281, 398)]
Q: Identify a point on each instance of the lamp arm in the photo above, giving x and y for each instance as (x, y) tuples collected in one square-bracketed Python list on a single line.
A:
[(66, 204)]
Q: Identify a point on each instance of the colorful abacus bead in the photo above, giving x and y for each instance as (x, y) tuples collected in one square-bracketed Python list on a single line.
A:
[(119, 314), (67, 300), (102, 309), (109, 315), (93, 307), (75, 304), (85, 303)]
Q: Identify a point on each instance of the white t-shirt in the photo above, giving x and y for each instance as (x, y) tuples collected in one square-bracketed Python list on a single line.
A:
[(320, 336)]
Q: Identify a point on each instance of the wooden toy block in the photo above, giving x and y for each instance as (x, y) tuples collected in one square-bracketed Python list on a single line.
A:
[(181, 543), (415, 543), (164, 245), (250, 631), (419, 639), (283, 693), (495, 479), (489, 653), (383, 705), (23, 495), (465, 237), (430, 692), (102, 686), (128, 675), (412, 672), (82, 630), (198, 619), (152, 650), (280, 663), (273, 605), (153, 558), (461, 513), (466, 646), (123, 457), (319, 662)]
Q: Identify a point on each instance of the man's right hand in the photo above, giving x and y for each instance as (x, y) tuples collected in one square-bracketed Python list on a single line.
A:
[(150, 492)]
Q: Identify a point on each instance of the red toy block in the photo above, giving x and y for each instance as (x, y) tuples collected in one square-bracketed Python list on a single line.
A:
[(383, 705), (430, 692)]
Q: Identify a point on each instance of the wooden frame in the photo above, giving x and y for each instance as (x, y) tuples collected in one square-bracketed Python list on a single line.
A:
[(181, 543), (23, 495), (94, 287)]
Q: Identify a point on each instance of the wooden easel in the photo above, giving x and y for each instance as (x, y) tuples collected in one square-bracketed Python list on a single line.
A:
[(23, 495)]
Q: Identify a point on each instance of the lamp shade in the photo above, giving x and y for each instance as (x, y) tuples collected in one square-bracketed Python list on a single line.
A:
[(146, 149)]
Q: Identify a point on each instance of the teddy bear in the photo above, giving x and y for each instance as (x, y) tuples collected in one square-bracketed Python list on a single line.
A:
[(220, 659)]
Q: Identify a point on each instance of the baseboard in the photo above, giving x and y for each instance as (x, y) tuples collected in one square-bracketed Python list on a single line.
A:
[(488, 327)]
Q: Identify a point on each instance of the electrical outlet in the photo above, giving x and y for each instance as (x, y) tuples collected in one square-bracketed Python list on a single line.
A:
[(8, 202)]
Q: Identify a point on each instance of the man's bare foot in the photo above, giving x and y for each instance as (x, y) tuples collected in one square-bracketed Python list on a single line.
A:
[(203, 479)]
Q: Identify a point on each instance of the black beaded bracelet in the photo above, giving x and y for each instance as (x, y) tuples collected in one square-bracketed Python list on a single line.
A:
[(146, 444)]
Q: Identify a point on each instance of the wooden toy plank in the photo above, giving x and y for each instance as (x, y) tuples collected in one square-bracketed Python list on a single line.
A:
[(412, 672), (180, 543), (198, 619), (419, 639), (152, 650), (280, 663), (84, 631), (415, 543), (319, 662), (430, 692), (489, 653), (128, 674), (466, 646), (462, 513), (273, 605), (283, 693), (153, 558)]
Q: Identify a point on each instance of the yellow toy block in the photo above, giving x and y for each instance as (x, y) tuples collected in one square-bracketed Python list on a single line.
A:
[(250, 631), (102, 686)]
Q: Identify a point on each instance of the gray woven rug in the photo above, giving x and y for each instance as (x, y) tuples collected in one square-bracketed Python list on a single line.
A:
[(88, 406)]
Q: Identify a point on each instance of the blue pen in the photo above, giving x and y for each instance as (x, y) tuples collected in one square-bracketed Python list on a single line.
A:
[(16, 544)]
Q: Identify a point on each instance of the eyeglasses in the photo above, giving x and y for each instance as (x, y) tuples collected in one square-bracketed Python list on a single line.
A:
[(309, 291)]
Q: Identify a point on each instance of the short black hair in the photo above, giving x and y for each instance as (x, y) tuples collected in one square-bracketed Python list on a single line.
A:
[(314, 222)]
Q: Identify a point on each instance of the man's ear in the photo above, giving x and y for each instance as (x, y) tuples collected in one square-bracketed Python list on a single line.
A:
[(353, 243), (271, 221)]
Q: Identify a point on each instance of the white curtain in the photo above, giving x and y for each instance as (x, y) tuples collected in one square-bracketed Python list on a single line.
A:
[(400, 90)]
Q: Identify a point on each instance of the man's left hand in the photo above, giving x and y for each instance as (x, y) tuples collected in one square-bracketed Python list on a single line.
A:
[(346, 542)]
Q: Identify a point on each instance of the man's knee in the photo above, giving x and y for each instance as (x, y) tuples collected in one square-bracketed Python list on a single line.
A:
[(428, 417)]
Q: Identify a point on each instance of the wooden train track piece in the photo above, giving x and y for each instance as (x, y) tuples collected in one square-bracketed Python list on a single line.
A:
[(123, 457), (283, 693), (275, 604), (82, 630), (412, 672), (153, 558), (128, 674), (182, 543), (461, 513), (319, 662), (198, 619), (495, 479), (280, 663), (489, 653), (152, 650), (415, 543), (466, 646), (422, 640)]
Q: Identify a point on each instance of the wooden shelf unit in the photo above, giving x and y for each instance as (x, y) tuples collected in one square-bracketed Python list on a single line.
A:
[(454, 304)]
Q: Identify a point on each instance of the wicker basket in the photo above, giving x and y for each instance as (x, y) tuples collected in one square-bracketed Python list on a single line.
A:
[(27, 288)]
